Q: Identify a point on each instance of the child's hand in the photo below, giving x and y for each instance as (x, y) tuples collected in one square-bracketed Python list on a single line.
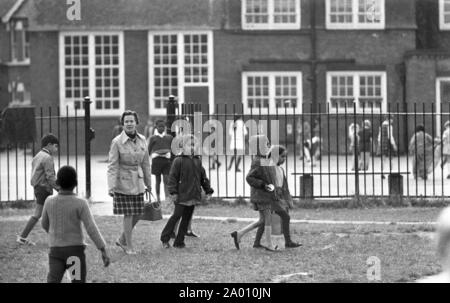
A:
[(270, 187), (105, 257), (174, 198)]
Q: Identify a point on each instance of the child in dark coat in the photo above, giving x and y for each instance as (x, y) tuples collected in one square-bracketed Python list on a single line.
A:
[(187, 177)]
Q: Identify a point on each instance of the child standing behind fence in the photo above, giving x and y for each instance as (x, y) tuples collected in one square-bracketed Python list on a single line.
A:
[(159, 149), (43, 180), (365, 146)]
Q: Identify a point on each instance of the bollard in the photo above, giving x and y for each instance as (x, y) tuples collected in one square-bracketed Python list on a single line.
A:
[(395, 183), (306, 186)]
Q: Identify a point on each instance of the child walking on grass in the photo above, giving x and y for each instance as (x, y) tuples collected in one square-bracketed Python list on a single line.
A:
[(187, 177), (43, 180), (61, 219)]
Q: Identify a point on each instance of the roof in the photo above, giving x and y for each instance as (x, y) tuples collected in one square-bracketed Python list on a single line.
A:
[(8, 7), (125, 14)]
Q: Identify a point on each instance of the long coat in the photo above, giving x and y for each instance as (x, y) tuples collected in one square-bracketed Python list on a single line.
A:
[(129, 169), (258, 177)]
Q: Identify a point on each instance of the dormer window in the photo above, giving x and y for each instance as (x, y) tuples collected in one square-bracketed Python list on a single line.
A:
[(20, 42), (270, 14)]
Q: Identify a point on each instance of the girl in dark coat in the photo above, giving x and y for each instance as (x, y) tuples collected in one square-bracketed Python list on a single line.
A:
[(260, 191), (282, 199)]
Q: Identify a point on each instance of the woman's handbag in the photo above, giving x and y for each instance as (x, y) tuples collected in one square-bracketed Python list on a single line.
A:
[(152, 210)]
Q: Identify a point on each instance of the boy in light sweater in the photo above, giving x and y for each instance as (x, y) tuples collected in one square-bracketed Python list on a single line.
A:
[(61, 219), (43, 180)]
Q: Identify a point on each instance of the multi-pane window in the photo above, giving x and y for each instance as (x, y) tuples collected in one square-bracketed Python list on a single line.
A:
[(20, 41), (355, 14), (271, 14), (270, 92), (92, 66), (444, 14), (365, 91), (195, 58), (178, 60)]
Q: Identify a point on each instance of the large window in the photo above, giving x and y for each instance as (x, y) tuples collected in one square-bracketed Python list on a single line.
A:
[(364, 90), (92, 65), (355, 14), (444, 14), (270, 14), (19, 40), (177, 61), (272, 92)]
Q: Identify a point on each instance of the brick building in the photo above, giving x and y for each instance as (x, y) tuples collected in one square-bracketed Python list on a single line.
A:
[(132, 54)]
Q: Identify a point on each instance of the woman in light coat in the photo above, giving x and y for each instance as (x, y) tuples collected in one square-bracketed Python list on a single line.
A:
[(129, 175)]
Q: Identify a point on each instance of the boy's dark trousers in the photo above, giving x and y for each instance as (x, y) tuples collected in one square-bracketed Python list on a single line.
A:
[(70, 258), (285, 221), (183, 212)]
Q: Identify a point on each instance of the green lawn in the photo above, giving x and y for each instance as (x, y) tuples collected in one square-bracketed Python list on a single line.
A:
[(331, 253)]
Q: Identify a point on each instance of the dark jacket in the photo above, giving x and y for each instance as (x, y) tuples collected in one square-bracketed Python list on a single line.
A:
[(187, 177), (258, 177)]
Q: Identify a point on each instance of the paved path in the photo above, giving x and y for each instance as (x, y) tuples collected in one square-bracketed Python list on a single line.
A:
[(234, 219)]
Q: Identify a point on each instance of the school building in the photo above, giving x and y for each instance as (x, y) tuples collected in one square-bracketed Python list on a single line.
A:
[(291, 56)]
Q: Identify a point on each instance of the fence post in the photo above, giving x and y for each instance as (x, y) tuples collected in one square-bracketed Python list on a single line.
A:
[(89, 134), (356, 151), (171, 113)]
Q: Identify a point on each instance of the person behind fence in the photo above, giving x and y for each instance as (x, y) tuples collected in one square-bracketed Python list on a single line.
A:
[(62, 217), (442, 239), (446, 148), (303, 137), (187, 178), (365, 146), (353, 136), (386, 142), (159, 148), (261, 194), (149, 129), (282, 199), (129, 175), (237, 133), (43, 180), (213, 157), (421, 149)]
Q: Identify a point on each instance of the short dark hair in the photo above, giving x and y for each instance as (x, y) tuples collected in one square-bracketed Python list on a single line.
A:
[(129, 113), (49, 139), (159, 121), (420, 128), (67, 177), (279, 148)]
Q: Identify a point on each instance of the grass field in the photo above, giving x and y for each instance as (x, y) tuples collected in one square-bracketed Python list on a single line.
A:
[(331, 253)]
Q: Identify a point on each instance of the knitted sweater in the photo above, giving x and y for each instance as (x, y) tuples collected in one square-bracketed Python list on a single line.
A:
[(62, 217), (43, 170)]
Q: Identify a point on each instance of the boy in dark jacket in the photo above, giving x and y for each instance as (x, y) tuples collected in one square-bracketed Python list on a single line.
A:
[(187, 177)]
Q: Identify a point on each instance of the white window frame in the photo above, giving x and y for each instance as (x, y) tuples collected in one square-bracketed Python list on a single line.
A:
[(442, 13), (92, 86), (356, 91), (153, 111), (14, 35), (271, 25), (355, 25), (272, 110)]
